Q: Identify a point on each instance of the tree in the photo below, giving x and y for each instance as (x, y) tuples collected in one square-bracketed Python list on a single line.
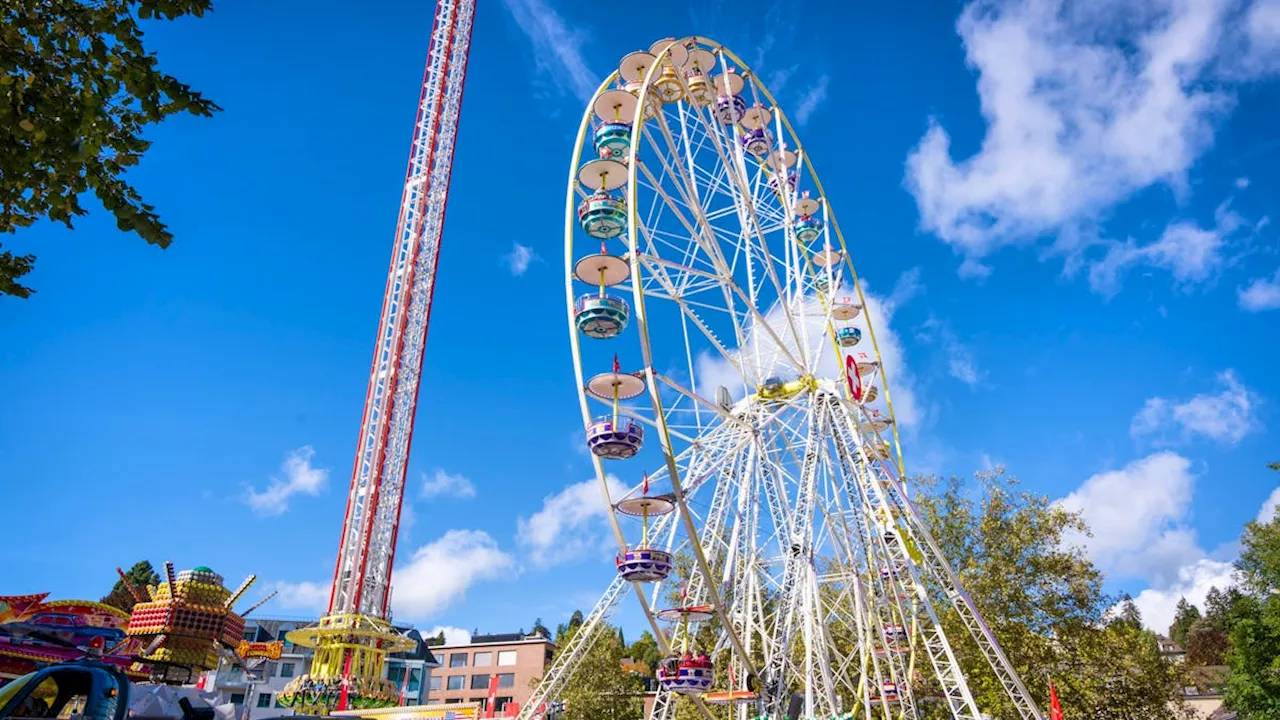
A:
[(1205, 644), (1254, 617), (599, 689), (77, 91), (140, 576), (645, 651), (538, 627), (1183, 616), (1043, 599)]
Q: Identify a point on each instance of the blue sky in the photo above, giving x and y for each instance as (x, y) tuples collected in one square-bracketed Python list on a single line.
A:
[(1072, 245)]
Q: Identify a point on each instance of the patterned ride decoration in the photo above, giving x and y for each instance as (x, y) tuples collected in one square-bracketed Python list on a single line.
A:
[(849, 336), (612, 140), (186, 618), (693, 676), (758, 142), (602, 215), (601, 318), (645, 565), (610, 442), (808, 228)]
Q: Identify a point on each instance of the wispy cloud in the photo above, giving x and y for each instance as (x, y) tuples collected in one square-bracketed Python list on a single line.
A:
[(307, 596), (569, 524), (1226, 416), (1190, 253), (1084, 107), (439, 574), (812, 99), (961, 364), (442, 483), (519, 259), (1261, 294), (557, 47), (299, 477)]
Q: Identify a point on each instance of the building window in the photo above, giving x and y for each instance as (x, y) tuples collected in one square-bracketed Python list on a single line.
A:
[(452, 701), (249, 634), (237, 698), (286, 670), (480, 682), (482, 659), (264, 700), (457, 660), (457, 682), (506, 680), (501, 702), (395, 673), (415, 679), (435, 681), (272, 669), (481, 701), (506, 657), (280, 635)]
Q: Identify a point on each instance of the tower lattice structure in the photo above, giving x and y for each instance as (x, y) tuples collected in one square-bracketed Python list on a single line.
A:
[(354, 637)]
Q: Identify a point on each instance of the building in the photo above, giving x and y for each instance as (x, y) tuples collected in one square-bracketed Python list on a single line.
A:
[(1203, 694), (466, 669), (409, 669)]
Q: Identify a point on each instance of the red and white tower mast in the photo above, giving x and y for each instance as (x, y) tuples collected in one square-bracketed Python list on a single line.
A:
[(352, 640)]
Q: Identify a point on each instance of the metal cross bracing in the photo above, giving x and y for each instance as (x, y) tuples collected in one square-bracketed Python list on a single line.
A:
[(362, 576)]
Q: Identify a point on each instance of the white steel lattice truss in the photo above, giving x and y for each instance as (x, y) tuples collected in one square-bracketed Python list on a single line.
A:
[(362, 577), (792, 520)]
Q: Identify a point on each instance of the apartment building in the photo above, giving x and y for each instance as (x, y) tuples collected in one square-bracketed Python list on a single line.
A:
[(465, 670), (258, 692)]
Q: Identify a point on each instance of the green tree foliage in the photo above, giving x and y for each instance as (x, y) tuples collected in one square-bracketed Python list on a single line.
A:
[(1183, 616), (538, 627), (645, 651), (599, 689), (1254, 619), (140, 576), (1205, 644), (77, 91), (1015, 553)]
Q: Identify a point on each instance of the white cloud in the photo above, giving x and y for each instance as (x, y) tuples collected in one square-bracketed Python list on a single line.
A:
[(1242, 182), (306, 595), (1192, 254), (1270, 507), (1261, 294), (557, 47), (961, 364), (569, 524), (812, 99), (1085, 104), (452, 635), (519, 259), (299, 478), (1136, 516), (442, 483), (440, 573), (1227, 416), (1192, 582)]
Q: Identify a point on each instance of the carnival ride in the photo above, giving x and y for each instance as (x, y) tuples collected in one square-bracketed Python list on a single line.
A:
[(354, 637), (87, 653), (776, 530)]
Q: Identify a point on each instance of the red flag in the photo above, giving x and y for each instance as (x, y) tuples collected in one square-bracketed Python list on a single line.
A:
[(1055, 710), (645, 491), (617, 367)]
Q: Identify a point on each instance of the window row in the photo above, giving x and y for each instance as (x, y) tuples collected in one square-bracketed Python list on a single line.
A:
[(482, 659), (478, 682)]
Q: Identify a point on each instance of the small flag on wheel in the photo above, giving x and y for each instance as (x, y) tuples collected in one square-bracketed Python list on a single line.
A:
[(645, 489), (617, 366)]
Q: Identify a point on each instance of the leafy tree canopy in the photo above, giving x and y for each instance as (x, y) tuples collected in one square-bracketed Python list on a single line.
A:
[(1253, 616), (77, 91), (140, 576), (1184, 615), (599, 689), (1043, 598)]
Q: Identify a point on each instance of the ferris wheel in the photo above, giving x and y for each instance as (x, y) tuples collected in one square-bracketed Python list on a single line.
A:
[(729, 377)]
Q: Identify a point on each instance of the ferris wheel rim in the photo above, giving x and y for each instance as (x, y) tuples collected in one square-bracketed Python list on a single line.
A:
[(639, 293)]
